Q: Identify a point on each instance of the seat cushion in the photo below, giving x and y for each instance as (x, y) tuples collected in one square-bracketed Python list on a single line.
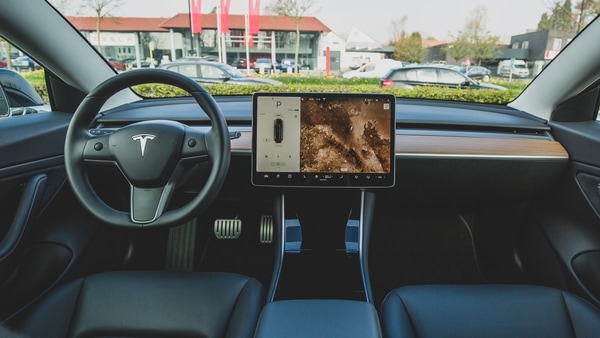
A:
[(149, 304), (487, 311)]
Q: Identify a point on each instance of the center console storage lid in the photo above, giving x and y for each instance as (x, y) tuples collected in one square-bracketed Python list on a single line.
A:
[(318, 318)]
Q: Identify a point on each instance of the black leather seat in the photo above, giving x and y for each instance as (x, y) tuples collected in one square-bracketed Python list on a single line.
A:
[(487, 311), (149, 304)]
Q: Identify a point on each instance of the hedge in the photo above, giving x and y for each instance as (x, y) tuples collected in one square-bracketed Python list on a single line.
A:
[(299, 83)]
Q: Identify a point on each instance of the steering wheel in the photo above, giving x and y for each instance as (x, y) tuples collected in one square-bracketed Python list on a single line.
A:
[(150, 154)]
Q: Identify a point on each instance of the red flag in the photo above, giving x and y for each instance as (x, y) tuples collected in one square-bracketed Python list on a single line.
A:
[(225, 16), (195, 17), (254, 19)]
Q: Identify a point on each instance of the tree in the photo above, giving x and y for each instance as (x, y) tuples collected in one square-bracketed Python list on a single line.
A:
[(295, 10), (102, 9), (586, 11), (409, 48), (459, 49), (397, 30), (567, 17), (476, 38), (406, 47)]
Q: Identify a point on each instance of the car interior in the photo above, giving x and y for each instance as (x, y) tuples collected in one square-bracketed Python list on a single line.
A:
[(295, 214)]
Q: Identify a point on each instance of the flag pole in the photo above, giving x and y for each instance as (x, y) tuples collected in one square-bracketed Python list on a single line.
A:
[(219, 46), (247, 43)]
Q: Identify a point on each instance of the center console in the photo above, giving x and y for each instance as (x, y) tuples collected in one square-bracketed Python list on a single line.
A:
[(326, 154)]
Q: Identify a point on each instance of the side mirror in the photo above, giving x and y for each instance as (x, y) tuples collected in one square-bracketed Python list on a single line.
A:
[(4, 106)]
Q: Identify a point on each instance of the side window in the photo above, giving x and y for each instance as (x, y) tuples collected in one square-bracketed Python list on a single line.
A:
[(427, 75), (187, 70), (449, 77), (404, 75), (369, 68), (211, 72), (23, 81)]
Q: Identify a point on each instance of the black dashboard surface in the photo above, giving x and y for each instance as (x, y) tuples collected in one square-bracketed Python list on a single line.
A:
[(409, 112)]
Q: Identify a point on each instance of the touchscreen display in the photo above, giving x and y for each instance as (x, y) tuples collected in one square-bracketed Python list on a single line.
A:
[(323, 139)]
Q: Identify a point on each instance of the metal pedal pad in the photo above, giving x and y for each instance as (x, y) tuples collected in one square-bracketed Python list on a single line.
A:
[(266, 229), (228, 228)]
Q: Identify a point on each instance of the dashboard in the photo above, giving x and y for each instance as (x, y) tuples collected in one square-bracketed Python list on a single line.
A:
[(444, 152)]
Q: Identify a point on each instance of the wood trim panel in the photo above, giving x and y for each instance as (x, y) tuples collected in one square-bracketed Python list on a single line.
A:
[(455, 146), (423, 145)]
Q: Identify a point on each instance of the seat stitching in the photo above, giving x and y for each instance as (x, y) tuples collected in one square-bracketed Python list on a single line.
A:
[(237, 299), (76, 307), (564, 302), (414, 329)]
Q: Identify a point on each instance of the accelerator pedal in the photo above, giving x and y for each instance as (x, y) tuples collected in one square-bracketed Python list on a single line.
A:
[(228, 228), (266, 229)]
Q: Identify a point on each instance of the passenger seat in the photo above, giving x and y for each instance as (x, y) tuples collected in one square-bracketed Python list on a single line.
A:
[(487, 311)]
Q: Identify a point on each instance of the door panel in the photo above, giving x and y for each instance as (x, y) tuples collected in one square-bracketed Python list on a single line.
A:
[(561, 240), (33, 253)]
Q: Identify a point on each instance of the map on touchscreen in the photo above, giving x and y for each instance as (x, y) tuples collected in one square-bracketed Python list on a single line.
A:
[(323, 139)]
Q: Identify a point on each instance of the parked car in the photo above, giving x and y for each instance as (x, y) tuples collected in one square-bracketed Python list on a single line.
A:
[(212, 58), (116, 64), (514, 68), (241, 63), (262, 65), (433, 76), (145, 63), (287, 65), (22, 97), (346, 212), (214, 72), (477, 73), (24, 62), (374, 69), (3, 63)]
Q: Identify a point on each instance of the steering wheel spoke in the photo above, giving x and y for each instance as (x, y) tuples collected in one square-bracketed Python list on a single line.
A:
[(147, 204)]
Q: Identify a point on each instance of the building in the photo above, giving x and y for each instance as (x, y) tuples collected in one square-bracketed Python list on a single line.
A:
[(537, 48), (128, 38)]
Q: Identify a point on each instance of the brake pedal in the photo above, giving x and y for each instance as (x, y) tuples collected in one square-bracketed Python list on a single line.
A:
[(266, 229), (228, 228)]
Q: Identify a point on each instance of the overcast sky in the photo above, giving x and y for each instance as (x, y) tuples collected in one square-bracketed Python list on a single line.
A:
[(440, 19)]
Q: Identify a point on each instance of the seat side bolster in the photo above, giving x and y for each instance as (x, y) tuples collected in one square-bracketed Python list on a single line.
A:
[(249, 303), (585, 318)]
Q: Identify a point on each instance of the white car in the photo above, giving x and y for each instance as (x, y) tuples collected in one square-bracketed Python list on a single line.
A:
[(374, 69), (516, 68)]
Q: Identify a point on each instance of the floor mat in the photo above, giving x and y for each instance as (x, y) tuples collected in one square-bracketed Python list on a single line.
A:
[(247, 252)]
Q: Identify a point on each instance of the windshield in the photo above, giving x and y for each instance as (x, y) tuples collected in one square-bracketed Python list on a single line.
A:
[(258, 39)]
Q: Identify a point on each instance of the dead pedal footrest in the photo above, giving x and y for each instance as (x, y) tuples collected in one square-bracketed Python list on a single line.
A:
[(228, 228)]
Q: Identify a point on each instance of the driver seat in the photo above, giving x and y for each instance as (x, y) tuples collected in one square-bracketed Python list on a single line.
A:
[(148, 304)]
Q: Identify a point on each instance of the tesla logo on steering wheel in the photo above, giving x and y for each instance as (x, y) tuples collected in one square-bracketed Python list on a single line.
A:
[(143, 138)]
